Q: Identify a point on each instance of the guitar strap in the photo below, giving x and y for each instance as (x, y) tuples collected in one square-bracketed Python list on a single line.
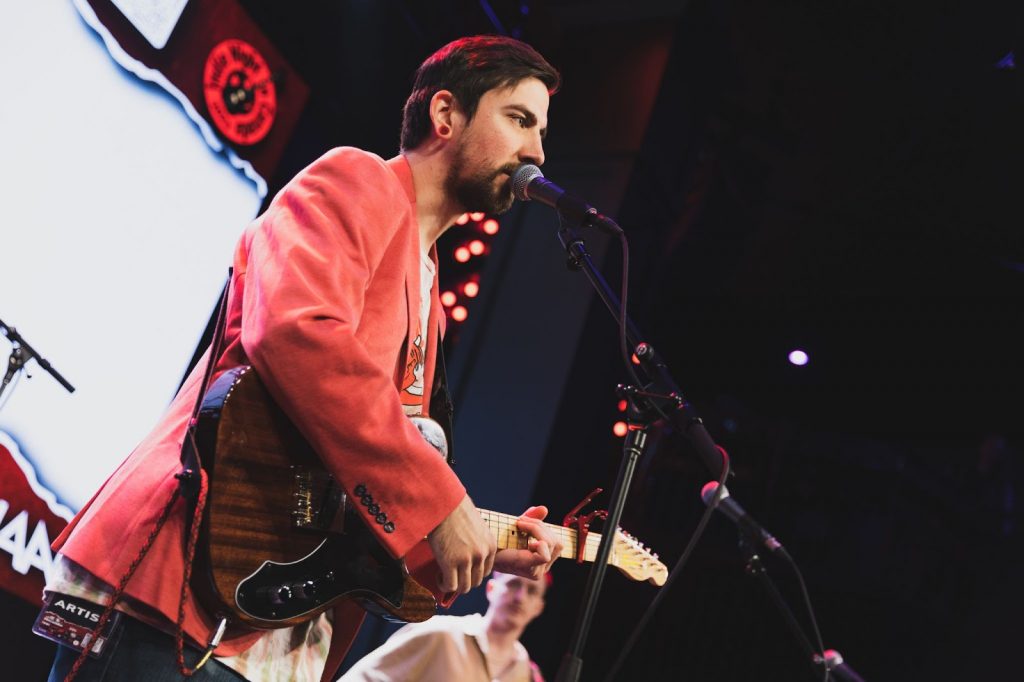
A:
[(191, 486), (190, 462), (441, 409)]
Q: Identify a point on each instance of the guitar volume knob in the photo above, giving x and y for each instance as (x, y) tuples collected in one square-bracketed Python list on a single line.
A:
[(305, 590), (279, 595)]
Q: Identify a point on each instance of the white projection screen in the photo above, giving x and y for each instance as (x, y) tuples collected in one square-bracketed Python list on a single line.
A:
[(117, 228)]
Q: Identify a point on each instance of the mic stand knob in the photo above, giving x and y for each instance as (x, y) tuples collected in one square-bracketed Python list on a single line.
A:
[(15, 363)]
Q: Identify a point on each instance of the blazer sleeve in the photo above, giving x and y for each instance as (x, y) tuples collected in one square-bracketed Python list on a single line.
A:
[(308, 264)]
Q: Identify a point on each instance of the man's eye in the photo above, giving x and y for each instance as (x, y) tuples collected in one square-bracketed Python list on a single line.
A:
[(521, 120)]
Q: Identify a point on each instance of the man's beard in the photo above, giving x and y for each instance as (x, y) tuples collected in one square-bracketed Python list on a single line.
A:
[(478, 192)]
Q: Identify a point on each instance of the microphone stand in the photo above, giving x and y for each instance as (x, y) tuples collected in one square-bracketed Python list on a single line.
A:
[(756, 569), (659, 398), (21, 353), (832, 662)]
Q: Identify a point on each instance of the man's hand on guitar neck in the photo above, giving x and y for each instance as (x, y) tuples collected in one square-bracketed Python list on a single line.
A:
[(542, 550), (464, 548)]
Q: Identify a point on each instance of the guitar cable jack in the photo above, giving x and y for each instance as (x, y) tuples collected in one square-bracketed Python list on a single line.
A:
[(214, 643)]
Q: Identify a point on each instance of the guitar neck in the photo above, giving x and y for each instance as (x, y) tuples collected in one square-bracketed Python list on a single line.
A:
[(510, 537)]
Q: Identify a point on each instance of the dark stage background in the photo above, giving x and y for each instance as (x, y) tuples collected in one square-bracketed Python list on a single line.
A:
[(842, 179)]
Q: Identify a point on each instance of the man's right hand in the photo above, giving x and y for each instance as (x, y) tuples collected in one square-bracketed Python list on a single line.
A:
[(464, 548)]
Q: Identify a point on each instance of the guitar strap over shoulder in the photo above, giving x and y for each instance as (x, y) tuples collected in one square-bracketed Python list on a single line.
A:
[(190, 461), (441, 409)]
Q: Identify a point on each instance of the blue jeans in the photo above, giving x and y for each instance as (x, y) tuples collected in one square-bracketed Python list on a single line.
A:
[(138, 652)]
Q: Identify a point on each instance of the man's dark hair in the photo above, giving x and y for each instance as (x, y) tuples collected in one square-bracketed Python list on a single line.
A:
[(469, 67)]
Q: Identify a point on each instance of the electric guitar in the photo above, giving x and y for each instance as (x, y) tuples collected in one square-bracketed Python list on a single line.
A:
[(279, 542)]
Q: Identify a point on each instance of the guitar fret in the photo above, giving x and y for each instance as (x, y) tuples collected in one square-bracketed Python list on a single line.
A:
[(510, 537)]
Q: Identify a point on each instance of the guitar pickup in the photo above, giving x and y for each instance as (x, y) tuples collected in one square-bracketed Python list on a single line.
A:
[(318, 501)]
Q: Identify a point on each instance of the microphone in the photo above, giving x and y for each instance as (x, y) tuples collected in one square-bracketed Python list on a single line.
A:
[(739, 516), (529, 184)]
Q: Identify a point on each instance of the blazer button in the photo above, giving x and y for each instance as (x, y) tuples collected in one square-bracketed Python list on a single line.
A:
[(360, 490), (374, 509), (367, 500), (381, 518), (389, 527)]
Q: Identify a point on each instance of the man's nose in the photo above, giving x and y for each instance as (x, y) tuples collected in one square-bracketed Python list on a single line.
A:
[(533, 151)]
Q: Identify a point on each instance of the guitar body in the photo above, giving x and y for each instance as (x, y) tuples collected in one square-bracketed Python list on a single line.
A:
[(278, 544)]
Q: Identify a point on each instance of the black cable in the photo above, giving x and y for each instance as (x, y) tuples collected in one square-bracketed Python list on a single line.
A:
[(675, 572), (810, 613), (705, 517), (627, 357)]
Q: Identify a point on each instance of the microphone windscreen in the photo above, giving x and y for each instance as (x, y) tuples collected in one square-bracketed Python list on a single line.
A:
[(707, 493), (523, 176)]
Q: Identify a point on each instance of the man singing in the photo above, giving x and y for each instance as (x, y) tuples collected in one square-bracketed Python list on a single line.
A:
[(334, 289)]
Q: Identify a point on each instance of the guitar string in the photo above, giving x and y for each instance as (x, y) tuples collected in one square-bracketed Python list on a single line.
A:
[(505, 524)]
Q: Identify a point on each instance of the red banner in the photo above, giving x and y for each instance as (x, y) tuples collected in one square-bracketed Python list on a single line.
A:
[(30, 517)]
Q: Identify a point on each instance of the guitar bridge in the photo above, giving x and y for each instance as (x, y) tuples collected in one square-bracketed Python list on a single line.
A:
[(319, 502)]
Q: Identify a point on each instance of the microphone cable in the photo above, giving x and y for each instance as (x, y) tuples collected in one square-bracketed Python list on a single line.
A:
[(710, 508), (705, 517), (673, 574)]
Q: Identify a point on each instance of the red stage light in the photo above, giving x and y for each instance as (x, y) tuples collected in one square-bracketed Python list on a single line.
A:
[(622, 406), (471, 289), (491, 226), (620, 429), (462, 219), (476, 247), (448, 298), (462, 254), (459, 313), (476, 217)]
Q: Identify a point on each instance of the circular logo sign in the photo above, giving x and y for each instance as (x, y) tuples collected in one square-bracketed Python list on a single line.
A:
[(239, 91)]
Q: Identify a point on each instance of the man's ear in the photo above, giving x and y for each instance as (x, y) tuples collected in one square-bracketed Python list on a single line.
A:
[(444, 114)]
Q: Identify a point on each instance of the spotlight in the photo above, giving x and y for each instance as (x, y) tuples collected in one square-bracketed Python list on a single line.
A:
[(462, 254), (490, 226), (798, 358), (448, 299), (471, 289), (476, 247), (459, 313), (620, 429)]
